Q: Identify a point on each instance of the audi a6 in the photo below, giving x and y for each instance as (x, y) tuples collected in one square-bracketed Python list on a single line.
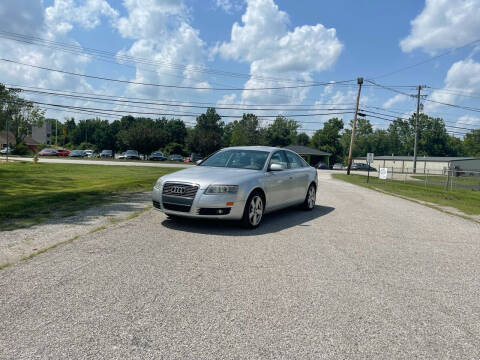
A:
[(238, 183)]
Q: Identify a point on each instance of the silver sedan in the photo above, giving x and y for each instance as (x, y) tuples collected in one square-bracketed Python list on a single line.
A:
[(238, 183)]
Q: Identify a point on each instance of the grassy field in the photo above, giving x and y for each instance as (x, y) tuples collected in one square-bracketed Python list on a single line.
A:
[(462, 180), (465, 200), (30, 193)]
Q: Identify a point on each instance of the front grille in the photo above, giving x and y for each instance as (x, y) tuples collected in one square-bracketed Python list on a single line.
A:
[(181, 190), (156, 204), (214, 211), (176, 207)]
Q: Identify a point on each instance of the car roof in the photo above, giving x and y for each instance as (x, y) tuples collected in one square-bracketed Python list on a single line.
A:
[(258, 148)]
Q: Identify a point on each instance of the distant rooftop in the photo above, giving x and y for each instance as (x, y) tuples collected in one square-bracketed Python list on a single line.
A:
[(304, 150), (420, 158)]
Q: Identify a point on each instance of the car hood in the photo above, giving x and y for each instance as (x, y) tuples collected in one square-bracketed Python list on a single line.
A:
[(207, 175)]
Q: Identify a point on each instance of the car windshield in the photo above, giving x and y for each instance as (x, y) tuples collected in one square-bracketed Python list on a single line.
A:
[(240, 159), (131, 152)]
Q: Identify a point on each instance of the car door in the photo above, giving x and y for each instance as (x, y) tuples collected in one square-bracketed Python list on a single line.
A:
[(299, 174), (278, 183)]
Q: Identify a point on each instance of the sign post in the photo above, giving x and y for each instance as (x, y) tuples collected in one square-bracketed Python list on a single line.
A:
[(369, 161)]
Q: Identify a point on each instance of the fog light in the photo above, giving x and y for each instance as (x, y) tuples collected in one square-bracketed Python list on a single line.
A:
[(230, 203)]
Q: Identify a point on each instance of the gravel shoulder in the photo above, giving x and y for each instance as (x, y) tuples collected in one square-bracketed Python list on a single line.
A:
[(363, 276), (25, 242)]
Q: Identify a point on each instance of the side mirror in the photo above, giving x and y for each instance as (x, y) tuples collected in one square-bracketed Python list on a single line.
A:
[(198, 162), (275, 167)]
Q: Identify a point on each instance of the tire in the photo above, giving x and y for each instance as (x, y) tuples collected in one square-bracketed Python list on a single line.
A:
[(309, 202), (254, 210)]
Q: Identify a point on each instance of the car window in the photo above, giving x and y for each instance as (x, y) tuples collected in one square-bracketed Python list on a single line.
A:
[(294, 161), (279, 158), (243, 159)]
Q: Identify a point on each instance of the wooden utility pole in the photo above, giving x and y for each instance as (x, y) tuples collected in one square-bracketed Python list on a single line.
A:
[(416, 131), (352, 138)]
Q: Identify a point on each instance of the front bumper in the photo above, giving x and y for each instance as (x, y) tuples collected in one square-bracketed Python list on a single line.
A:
[(202, 202)]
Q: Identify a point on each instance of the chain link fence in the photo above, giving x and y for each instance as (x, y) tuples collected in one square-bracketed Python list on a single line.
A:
[(448, 178)]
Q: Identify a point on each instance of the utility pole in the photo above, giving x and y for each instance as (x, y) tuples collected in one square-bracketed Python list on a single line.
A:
[(56, 133), (6, 127), (416, 130), (352, 138)]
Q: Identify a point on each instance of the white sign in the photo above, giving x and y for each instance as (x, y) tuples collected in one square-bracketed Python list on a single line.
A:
[(369, 158), (383, 173)]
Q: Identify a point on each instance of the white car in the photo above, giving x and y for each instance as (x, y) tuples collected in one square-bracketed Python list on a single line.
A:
[(5, 150), (90, 153)]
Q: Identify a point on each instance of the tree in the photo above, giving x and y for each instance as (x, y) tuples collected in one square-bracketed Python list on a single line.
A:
[(328, 138), (282, 132), (472, 143), (206, 136), (302, 139), (141, 137), (246, 131), (176, 131)]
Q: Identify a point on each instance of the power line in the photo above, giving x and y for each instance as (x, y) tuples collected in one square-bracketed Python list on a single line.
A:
[(424, 62), (166, 85), (109, 101), (77, 49)]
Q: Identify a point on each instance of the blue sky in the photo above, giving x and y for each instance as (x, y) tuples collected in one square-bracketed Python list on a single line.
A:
[(272, 42)]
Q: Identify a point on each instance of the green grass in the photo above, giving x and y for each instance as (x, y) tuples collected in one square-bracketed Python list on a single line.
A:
[(31, 193), (465, 200), (461, 180)]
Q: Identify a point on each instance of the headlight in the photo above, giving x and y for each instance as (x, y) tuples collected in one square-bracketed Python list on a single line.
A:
[(222, 189), (158, 184)]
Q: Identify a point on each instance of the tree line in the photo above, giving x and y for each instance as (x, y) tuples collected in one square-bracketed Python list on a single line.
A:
[(211, 133)]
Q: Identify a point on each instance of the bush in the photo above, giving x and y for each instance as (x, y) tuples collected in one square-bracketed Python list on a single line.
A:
[(21, 149)]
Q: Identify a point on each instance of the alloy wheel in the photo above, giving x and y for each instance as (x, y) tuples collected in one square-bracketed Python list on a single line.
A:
[(255, 211)]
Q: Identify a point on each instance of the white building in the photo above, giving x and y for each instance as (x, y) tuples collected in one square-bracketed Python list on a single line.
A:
[(42, 134), (430, 164)]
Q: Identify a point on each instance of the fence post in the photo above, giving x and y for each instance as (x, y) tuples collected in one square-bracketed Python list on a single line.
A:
[(447, 180), (451, 181), (392, 172), (426, 178)]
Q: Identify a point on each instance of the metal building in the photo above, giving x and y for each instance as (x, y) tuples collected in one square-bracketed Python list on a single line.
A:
[(430, 164)]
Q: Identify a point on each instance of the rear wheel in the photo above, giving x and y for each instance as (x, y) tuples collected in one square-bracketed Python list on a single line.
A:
[(253, 213), (310, 198)]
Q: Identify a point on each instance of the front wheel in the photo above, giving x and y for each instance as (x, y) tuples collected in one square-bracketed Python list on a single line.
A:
[(253, 213), (310, 198)]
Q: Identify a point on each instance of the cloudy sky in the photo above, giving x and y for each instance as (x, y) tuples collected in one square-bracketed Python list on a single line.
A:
[(209, 50)]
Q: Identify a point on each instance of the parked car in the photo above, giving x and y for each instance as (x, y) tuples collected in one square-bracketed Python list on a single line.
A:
[(321, 166), (48, 152), (238, 183), (362, 166), (90, 153), (194, 157), (338, 166), (175, 157), (106, 154), (157, 156), (77, 153), (6, 150), (63, 152), (132, 155), (122, 156)]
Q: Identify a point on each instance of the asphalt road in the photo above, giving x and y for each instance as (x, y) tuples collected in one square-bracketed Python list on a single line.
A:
[(363, 276)]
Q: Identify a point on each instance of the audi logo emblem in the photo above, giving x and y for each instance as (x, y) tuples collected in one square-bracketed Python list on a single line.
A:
[(178, 190)]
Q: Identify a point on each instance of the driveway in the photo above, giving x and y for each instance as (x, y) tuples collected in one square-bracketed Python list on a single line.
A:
[(363, 276)]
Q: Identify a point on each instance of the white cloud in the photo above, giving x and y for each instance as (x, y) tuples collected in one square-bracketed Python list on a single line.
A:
[(151, 18), (467, 119), (444, 24), (463, 77), (264, 40), (162, 34), (394, 100), (229, 6), (30, 14), (61, 16)]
